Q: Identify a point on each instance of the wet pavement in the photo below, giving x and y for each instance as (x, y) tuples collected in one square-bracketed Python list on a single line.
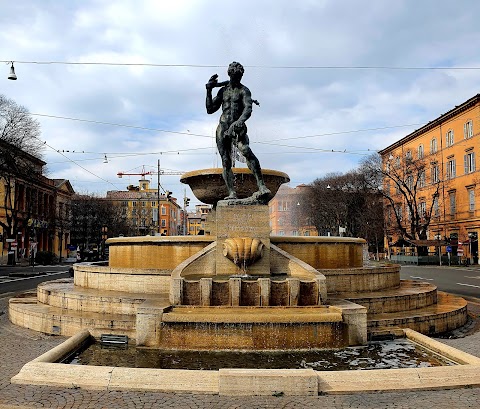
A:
[(20, 345)]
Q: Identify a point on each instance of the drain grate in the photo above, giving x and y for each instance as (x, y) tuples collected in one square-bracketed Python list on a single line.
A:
[(111, 339)]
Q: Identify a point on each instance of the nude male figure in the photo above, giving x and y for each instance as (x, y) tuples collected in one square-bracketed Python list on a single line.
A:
[(236, 102)]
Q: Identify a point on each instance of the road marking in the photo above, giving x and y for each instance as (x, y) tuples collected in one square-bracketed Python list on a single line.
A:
[(30, 278), (469, 285), (422, 278), (476, 278)]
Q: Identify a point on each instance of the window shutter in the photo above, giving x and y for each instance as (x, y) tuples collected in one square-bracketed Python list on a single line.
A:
[(465, 164), (473, 161)]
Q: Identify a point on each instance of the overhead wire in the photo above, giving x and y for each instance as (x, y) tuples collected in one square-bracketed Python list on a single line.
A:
[(270, 142), (288, 67)]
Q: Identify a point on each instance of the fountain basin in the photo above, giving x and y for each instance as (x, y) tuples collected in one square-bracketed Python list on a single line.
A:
[(209, 187)]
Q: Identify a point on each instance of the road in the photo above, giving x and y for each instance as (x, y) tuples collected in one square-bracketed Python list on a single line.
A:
[(13, 284), (464, 281)]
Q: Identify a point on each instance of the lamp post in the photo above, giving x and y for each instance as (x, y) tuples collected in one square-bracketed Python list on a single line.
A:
[(186, 201)]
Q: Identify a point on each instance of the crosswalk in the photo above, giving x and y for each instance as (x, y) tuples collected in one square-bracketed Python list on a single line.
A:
[(7, 279)]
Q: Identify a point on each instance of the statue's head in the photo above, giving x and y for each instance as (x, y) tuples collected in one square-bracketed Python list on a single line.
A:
[(235, 71)]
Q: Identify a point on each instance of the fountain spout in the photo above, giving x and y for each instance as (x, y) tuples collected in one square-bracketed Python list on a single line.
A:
[(243, 251)]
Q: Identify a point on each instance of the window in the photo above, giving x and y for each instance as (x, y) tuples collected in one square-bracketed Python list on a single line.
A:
[(422, 209), (449, 138), (433, 146), (471, 199), (435, 174), (469, 162), (281, 233), (420, 152), (134, 204), (421, 179), (408, 155), (164, 210), (409, 182), (398, 211), (453, 203), (436, 207), (397, 162), (451, 166), (468, 129), (164, 223)]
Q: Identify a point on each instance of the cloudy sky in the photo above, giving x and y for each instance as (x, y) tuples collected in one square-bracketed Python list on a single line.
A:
[(301, 63)]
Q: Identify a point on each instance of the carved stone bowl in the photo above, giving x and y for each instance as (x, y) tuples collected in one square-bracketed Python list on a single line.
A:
[(209, 187)]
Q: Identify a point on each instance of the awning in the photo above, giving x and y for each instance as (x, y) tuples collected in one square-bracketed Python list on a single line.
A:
[(418, 243), (428, 243)]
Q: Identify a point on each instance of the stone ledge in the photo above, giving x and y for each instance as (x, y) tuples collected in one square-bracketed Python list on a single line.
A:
[(241, 382), (248, 382)]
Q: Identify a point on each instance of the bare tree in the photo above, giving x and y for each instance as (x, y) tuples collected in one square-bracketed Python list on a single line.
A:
[(410, 204), (18, 128), (344, 204), (93, 218)]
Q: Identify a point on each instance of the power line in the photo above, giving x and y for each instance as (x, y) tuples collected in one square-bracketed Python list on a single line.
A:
[(287, 67), (80, 166), (119, 125), (205, 136)]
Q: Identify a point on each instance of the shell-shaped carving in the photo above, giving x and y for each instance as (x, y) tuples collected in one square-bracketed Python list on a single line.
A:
[(243, 251)]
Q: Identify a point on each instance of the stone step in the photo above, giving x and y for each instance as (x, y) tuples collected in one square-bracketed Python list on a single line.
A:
[(29, 313), (63, 294), (411, 295), (449, 313)]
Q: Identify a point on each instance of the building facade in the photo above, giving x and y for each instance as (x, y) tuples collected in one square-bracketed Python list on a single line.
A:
[(288, 216), (34, 210), (196, 220), (447, 182), (147, 212)]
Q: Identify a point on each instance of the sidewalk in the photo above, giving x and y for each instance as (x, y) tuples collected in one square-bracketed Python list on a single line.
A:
[(19, 345)]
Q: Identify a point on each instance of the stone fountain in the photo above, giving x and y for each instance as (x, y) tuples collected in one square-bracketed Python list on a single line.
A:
[(237, 287)]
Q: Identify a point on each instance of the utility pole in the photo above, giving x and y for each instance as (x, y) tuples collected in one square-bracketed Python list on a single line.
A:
[(158, 194), (186, 201)]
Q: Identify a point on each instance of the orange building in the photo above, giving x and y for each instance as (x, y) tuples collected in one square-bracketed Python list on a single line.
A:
[(144, 209), (288, 216), (448, 186)]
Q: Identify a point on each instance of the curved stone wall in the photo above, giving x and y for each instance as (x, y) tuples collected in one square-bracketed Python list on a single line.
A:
[(363, 279), (147, 281), (154, 252), (323, 252)]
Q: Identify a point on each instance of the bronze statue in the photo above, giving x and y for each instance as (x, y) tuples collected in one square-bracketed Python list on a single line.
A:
[(236, 102)]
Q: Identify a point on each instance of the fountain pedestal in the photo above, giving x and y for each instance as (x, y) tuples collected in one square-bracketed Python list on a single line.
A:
[(242, 222)]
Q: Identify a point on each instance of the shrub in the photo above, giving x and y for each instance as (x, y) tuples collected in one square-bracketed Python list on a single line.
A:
[(45, 257)]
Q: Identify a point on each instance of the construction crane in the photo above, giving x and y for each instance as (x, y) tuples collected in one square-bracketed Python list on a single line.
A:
[(144, 173)]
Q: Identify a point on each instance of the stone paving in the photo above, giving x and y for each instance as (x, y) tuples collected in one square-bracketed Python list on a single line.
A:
[(19, 345)]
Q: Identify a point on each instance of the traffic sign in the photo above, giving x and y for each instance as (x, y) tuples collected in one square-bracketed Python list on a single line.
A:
[(449, 249)]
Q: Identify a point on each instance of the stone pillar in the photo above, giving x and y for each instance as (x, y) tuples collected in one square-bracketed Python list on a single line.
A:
[(355, 317), (235, 288), (242, 221), (293, 291), (148, 323), (176, 291), (264, 289), (205, 292)]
